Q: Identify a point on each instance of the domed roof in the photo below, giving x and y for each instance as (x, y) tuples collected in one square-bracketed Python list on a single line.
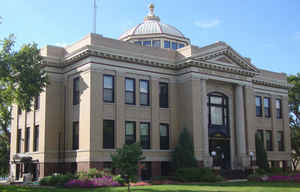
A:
[(152, 25)]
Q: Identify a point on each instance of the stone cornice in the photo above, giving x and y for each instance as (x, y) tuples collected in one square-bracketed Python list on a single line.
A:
[(201, 63)]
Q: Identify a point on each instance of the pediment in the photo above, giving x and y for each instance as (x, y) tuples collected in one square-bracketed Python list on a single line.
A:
[(223, 55)]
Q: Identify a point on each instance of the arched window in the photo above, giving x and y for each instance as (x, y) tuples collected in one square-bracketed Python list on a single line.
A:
[(218, 110)]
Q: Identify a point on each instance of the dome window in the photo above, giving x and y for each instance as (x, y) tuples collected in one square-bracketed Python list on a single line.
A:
[(147, 43), (167, 44), (138, 42), (156, 43), (174, 45), (180, 45)]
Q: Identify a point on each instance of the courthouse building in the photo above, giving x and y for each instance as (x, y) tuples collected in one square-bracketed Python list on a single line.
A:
[(146, 87)]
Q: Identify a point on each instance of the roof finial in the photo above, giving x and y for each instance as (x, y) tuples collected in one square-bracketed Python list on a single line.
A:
[(151, 15), (151, 8)]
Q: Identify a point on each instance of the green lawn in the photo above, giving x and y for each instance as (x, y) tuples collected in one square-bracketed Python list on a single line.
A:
[(221, 187)]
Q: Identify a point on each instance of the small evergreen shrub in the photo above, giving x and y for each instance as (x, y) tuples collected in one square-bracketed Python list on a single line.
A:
[(261, 155), (56, 180), (197, 175)]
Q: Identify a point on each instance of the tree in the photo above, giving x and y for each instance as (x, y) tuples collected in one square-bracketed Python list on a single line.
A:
[(21, 80), (183, 156), (294, 123), (261, 155), (126, 161)]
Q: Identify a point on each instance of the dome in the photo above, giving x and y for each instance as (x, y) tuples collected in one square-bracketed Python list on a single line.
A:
[(152, 29)]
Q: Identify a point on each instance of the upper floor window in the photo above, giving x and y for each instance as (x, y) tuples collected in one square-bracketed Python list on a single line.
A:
[(164, 136), (76, 91), (167, 44), (147, 43), (144, 92), (258, 106), (180, 45), (218, 109), (138, 42), (260, 135), (108, 134), (37, 103), (280, 141), (145, 135), (278, 109), (267, 108), (27, 139), (36, 138), (130, 133), (130, 91), (163, 95), (174, 45), (75, 144), (19, 137), (19, 110), (108, 88), (156, 43), (269, 141)]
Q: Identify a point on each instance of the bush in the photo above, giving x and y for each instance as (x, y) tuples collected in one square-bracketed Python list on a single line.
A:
[(197, 175), (119, 179), (106, 181), (56, 180)]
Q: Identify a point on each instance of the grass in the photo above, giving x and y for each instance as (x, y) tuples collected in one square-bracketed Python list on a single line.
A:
[(220, 187)]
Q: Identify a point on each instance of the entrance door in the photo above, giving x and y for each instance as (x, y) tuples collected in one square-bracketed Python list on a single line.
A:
[(222, 148)]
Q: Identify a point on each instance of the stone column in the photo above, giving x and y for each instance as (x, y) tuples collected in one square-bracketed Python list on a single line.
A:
[(154, 97), (207, 160), (243, 160), (120, 109)]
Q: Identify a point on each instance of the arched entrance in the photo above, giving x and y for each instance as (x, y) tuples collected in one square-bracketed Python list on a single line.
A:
[(218, 129)]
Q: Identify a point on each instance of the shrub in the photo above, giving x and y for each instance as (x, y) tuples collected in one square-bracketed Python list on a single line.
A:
[(261, 155), (119, 179), (56, 180), (197, 174)]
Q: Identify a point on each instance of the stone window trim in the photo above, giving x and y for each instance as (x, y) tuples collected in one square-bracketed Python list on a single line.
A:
[(108, 90)]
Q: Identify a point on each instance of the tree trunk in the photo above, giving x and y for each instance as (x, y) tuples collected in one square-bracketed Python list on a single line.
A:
[(128, 187)]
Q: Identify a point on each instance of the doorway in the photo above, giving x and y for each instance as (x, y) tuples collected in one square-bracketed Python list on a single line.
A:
[(222, 148)]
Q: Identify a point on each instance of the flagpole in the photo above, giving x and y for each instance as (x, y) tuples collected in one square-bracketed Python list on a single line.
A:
[(95, 17)]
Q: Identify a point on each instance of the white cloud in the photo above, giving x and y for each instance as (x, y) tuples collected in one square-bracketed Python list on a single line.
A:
[(207, 24), (61, 44), (297, 36)]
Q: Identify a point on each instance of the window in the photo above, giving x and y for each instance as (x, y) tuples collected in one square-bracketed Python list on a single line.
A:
[(156, 43), (267, 108), (108, 134), (27, 139), (146, 172), (144, 92), (75, 135), (278, 109), (174, 45), (138, 43), (164, 136), (260, 134), (280, 141), (108, 88), (258, 106), (19, 136), (130, 132), (37, 103), (19, 110), (36, 138), (147, 43), (180, 45), (163, 95), (218, 110), (165, 168), (145, 135), (269, 140), (76, 91), (130, 91), (167, 44)]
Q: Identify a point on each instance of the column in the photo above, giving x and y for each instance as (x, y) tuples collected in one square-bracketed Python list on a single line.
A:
[(154, 91), (120, 109), (204, 125), (240, 127)]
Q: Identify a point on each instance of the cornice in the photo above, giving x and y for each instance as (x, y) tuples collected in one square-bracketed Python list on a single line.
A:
[(199, 62)]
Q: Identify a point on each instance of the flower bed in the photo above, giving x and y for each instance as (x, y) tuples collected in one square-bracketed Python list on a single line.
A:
[(106, 181), (278, 178)]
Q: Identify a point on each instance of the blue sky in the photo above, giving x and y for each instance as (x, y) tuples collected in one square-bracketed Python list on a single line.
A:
[(267, 31)]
